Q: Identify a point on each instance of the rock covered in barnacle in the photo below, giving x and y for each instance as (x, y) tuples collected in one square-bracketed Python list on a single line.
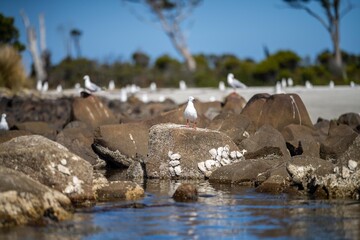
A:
[(221, 156)]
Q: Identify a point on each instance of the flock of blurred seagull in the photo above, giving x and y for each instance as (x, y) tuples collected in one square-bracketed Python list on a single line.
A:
[(90, 87)]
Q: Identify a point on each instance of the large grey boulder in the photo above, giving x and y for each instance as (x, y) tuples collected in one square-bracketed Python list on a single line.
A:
[(338, 141), (245, 172), (266, 141), (176, 151), (51, 164), (92, 111), (23, 200), (78, 140)]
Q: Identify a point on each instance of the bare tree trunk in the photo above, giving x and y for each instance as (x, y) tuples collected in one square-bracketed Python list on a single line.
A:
[(31, 37), (171, 26), (184, 51)]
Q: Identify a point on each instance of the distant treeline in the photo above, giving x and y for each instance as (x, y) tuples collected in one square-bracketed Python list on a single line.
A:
[(166, 71)]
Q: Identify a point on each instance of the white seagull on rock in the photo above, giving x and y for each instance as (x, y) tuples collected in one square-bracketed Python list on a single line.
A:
[(234, 83), (92, 87), (3, 123), (190, 113)]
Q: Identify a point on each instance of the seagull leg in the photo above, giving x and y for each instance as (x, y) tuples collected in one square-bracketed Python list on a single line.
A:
[(194, 125), (187, 123)]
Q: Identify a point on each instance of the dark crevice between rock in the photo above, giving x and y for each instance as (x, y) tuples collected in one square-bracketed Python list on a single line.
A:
[(295, 150)]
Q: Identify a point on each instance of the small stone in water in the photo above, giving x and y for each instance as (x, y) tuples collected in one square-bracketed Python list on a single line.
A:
[(225, 154), (63, 161)]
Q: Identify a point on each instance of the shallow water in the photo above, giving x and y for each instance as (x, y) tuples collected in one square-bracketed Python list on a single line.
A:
[(222, 212)]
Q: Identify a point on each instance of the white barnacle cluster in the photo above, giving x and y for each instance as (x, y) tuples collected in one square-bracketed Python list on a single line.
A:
[(220, 157), (174, 164), (347, 171), (74, 186)]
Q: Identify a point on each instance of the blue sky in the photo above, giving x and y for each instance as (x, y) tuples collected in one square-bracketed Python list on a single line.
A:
[(240, 27)]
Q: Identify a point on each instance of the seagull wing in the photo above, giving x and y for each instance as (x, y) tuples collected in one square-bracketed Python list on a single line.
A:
[(237, 84)]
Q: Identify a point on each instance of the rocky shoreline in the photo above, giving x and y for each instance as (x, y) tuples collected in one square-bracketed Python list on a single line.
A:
[(54, 156)]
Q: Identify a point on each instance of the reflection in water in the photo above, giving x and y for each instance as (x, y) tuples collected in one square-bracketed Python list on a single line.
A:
[(223, 211)]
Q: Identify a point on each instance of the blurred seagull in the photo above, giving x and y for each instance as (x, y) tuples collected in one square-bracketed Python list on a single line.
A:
[(221, 86), (92, 87), (190, 113), (182, 85), (234, 83), (45, 87), (111, 85), (153, 87), (3, 123), (59, 88)]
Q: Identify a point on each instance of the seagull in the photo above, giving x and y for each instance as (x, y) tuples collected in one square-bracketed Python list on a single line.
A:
[(59, 88), (190, 113), (111, 85), (234, 83), (182, 85), (221, 86), (153, 87), (92, 87), (39, 85), (45, 87), (3, 123)]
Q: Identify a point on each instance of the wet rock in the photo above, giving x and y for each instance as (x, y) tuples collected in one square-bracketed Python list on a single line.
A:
[(192, 145), (119, 190), (321, 178), (244, 172), (23, 200), (275, 181), (136, 171), (302, 170), (92, 111), (7, 135), (350, 119), (38, 128), (49, 163), (237, 127), (281, 110), (352, 153), (253, 108), (78, 141), (33, 108), (234, 103), (338, 141), (122, 144), (322, 130), (266, 141), (278, 110), (186, 192), (295, 134)]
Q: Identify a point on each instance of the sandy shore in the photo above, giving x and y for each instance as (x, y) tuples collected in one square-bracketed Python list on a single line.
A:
[(325, 102)]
